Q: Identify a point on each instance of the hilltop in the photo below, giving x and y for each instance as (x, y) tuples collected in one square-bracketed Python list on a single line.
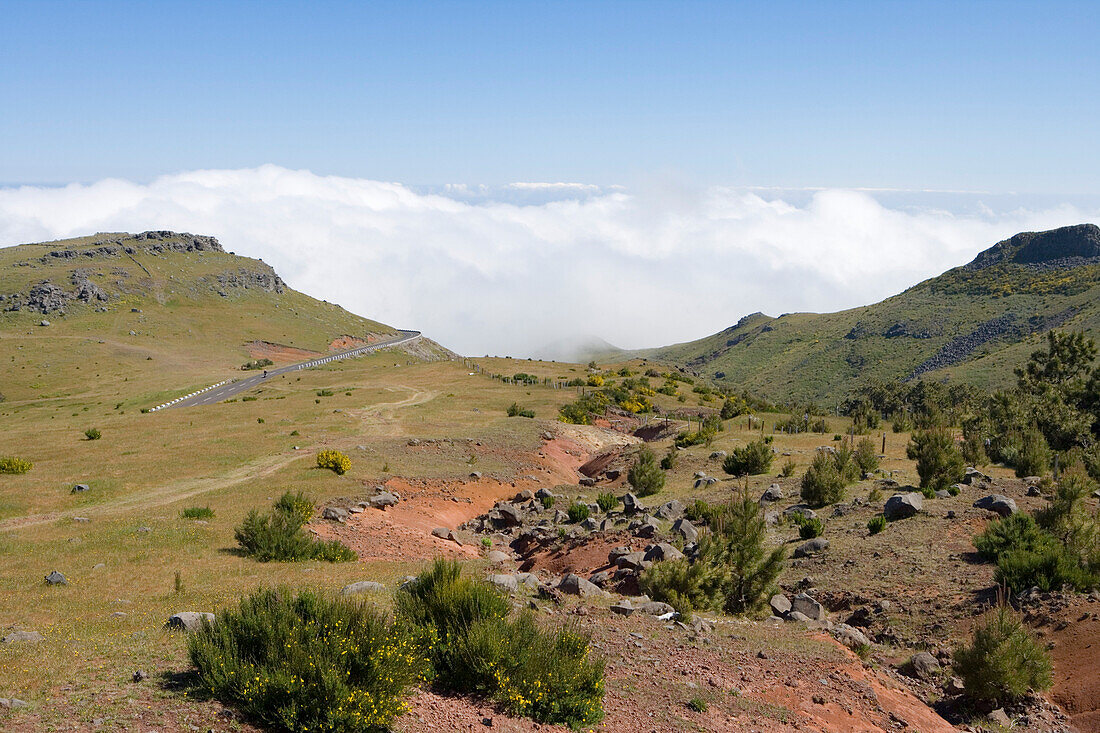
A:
[(166, 310), (973, 323)]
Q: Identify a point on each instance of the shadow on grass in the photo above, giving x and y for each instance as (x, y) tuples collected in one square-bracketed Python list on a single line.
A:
[(180, 682)]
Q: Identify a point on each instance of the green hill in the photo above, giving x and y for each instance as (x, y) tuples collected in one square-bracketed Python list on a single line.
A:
[(973, 323), (162, 310)]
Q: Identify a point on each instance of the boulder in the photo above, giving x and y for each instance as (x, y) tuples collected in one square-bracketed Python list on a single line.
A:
[(80, 488), (647, 529), (808, 607), (996, 503), (780, 605), (850, 636), (662, 551), (631, 505), (575, 585), (685, 529), (973, 476), (590, 524), (335, 513), (1000, 717), (505, 515), (812, 547), (772, 493), (507, 583), (528, 580), (602, 578), (14, 703), (670, 509), (805, 511), (525, 495), (924, 665), (771, 518), (797, 616), (623, 607), (362, 586), (188, 620), (655, 608), (901, 506), (383, 500), (586, 481), (446, 534), (19, 637), (56, 578), (544, 494), (499, 558), (475, 475), (632, 561)]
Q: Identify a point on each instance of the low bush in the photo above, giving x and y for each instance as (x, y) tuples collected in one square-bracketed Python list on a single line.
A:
[(700, 511), (256, 364), (93, 434), (1049, 569), (749, 460), (325, 393), (514, 410), (578, 512), (825, 480), (1014, 533), (788, 468), (547, 501), (939, 461), (668, 462), (473, 647), (12, 465), (697, 704), (197, 512), (607, 501), (279, 537), (334, 461), (645, 476), (307, 662), (876, 524), (866, 456), (1002, 662)]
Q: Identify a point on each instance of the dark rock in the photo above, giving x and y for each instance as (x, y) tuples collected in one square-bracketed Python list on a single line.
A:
[(812, 547), (901, 506), (1002, 505), (56, 578)]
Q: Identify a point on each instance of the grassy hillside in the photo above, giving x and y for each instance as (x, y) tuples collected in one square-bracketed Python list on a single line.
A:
[(973, 323), (162, 310)]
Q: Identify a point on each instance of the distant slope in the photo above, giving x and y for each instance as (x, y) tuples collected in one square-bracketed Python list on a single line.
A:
[(174, 298), (579, 350), (972, 323)]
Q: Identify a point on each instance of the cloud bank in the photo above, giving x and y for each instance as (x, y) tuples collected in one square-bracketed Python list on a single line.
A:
[(510, 269)]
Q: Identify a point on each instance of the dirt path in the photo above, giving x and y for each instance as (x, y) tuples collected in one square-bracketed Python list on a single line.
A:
[(374, 417)]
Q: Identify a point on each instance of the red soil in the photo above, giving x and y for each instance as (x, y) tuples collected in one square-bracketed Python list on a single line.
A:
[(1077, 666), (279, 353)]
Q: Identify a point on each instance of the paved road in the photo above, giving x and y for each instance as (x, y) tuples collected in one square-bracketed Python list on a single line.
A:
[(224, 391)]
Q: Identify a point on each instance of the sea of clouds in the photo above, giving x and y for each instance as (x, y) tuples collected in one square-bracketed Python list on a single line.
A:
[(510, 269)]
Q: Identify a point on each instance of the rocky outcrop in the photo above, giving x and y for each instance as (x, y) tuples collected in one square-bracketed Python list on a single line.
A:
[(243, 279)]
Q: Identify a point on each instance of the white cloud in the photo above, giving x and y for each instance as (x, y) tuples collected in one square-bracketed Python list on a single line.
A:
[(484, 272)]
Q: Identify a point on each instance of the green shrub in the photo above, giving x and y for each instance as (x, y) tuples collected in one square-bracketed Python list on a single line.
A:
[(809, 528), (514, 410), (874, 495), (1050, 569), (1033, 458), (939, 461), (307, 662), (1069, 517), (197, 512), (700, 511), (473, 647), (748, 460), (578, 512), (788, 468), (1014, 533), (547, 501), (256, 364), (12, 465), (686, 586), (645, 476), (607, 501), (325, 393), (93, 434), (333, 460), (876, 524), (697, 704), (668, 462), (866, 456), (824, 482), (1003, 661), (279, 537)]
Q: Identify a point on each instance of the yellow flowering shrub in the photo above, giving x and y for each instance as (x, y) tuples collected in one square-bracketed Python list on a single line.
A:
[(333, 460)]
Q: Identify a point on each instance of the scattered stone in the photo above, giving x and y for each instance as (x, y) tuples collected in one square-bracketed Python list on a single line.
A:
[(780, 604), (1001, 718), (772, 493), (647, 529), (805, 511), (505, 515), (797, 616), (507, 583), (335, 513), (1002, 505), (575, 585), (188, 620), (973, 476), (80, 488), (1034, 491), (56, 578), (850, 636), (631, 561), (812, 547), (670, 509), (362, 586), (139, 676), (655, 608), (499, 558), (13, 703), (475, 475), (20, 637), (544, 494), (943, 494), (901, 506), (446, 534), (631, 505), (662, 551), (807, 606), (383, 500), (924, 665), (623, 607), (685, 529)]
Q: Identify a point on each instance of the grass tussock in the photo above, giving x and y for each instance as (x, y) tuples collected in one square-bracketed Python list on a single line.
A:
[(278, 536)]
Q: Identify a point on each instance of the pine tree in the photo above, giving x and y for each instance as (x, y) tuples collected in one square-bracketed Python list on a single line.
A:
[(645, 476)]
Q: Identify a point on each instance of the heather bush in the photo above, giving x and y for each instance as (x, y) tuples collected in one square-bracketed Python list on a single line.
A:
[(197, 512), (278, 536), (824, 481), (307, 662)]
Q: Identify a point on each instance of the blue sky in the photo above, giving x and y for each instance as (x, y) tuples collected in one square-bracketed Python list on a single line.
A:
[(986, 96)]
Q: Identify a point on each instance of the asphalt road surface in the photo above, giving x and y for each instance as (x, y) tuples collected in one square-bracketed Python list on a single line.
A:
[(227, 390)]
